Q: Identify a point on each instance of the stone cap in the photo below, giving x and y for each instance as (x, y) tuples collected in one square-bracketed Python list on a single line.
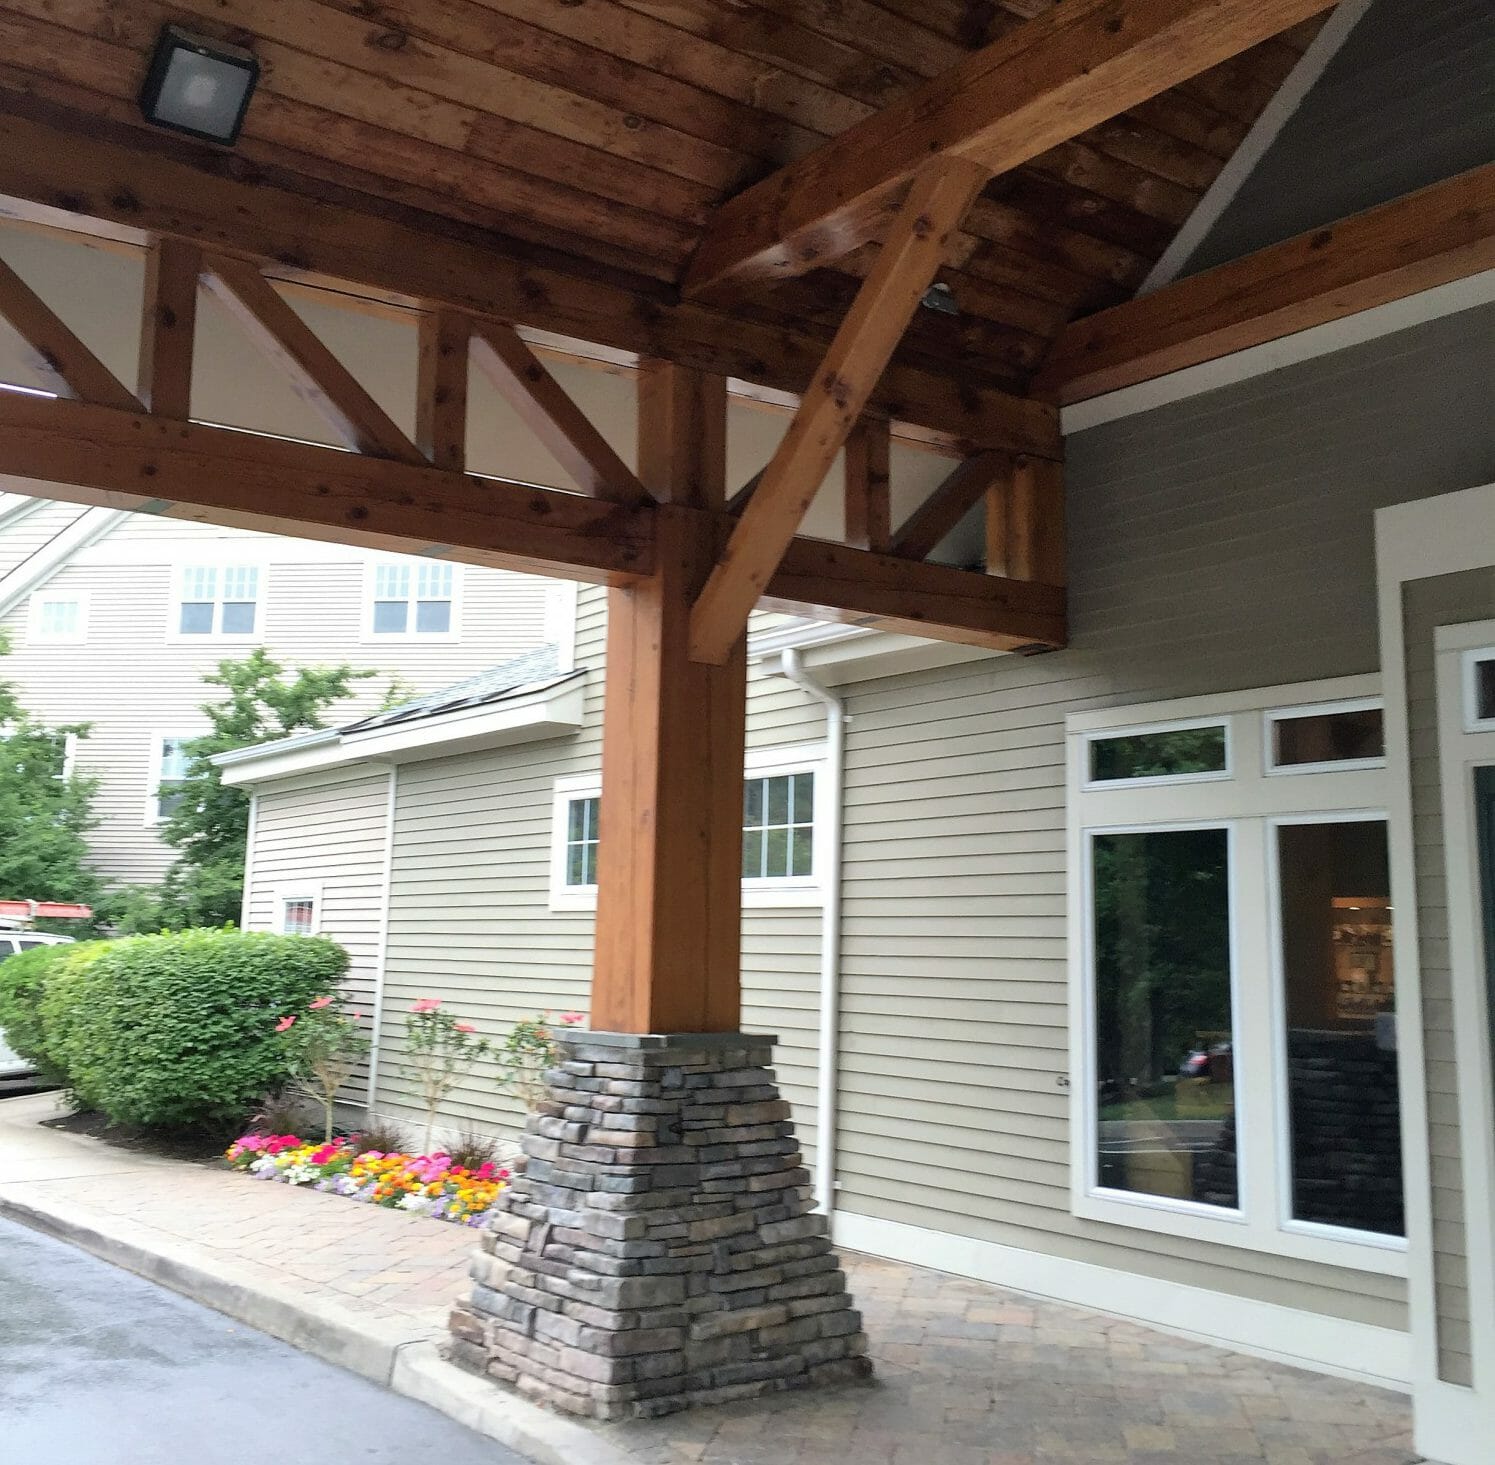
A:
[(656, 1042)]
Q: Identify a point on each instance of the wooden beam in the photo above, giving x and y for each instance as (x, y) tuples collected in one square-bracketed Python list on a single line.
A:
[(441, 389), (868, 485), (129, 460), (682, 436), (1441, 233), (317, 376), (67, 366), (1045, 82), (216, 475), (544, 407), (832, 582), (168, 325), (1025, 522), (122, 190), (957, 495), (835, 400), (670, 859)]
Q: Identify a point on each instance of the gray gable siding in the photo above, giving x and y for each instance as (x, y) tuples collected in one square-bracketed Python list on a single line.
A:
[(1407, 101)]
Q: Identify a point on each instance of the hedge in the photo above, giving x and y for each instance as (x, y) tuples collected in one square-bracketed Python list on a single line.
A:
[(178, 1031), (23, 980)]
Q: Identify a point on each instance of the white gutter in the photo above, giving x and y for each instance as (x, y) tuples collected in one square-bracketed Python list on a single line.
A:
[(791, 665)]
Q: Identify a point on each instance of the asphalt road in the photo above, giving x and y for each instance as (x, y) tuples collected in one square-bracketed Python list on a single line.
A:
[(99, 1367)]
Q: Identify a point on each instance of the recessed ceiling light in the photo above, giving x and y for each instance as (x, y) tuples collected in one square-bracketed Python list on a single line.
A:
[(198, 86)]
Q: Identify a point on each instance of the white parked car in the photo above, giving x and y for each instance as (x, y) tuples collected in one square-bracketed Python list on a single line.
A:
[(12, 940)]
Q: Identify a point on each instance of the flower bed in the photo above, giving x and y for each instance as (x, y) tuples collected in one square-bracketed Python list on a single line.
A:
[(429, 1185)]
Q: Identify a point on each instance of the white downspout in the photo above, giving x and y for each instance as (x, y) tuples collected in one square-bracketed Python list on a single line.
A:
[(381, 952), (791, 665)]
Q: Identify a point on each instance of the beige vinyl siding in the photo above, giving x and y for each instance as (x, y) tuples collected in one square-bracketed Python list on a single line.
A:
[(1219, 543), (24, 536), (1428, 604), (131, 681), (470, 916), (327, 830)]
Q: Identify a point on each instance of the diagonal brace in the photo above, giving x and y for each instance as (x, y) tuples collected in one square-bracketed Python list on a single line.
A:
[(831, 406)]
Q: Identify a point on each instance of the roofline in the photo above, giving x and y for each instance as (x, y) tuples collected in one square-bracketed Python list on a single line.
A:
[(37, 568)]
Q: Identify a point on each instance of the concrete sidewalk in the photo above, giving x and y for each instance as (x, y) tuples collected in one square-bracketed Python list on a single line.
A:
[(967, 1374)]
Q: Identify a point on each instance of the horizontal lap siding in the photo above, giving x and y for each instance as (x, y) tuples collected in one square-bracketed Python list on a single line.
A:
[(330, 831), (470, 916), (25, 536), (1428, 604), (131, 682), (1219, 543)]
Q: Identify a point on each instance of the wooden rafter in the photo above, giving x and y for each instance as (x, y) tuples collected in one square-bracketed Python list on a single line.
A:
[(545, 408), (868, 485), (124, 193), (682, 434), (441, 389), (132, 460), (67, 366), (168, 324), (316, 374), (960, 492), (1440, 233), (1070, 68), (834, 401)]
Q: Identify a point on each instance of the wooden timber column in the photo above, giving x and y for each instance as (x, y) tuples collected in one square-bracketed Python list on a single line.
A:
[(669, 904)]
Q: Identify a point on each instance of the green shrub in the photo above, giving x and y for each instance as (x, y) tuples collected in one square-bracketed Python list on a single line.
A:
[(179, 1031), (24, 980)]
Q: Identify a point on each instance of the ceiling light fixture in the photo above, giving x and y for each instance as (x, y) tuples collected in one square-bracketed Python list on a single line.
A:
[(198, 86), (941, 299)]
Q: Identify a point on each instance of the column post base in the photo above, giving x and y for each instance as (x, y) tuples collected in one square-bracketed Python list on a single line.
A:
[(659, 1250)]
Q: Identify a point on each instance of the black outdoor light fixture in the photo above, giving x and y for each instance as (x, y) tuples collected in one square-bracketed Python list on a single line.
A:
[(198, 86)]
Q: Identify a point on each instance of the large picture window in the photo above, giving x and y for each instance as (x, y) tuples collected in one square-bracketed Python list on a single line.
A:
[(1164, 1026), (1233, 1059)]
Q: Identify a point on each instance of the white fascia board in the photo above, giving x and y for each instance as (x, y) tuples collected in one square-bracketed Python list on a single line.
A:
[(16, 506), (552, 713), (34, 572), (839, 654)]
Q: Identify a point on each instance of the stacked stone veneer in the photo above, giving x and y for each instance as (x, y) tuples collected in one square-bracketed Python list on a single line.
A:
[(659, 1249)]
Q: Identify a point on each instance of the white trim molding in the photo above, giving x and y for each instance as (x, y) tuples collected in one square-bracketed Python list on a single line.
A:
[(1295, 1336), (36, 632)]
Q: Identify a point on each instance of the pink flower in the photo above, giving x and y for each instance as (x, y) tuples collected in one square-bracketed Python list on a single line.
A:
[(503, 1174), (321, 1002), (285, 1024), (427, 1004), (464, 1027), (572, 1018)]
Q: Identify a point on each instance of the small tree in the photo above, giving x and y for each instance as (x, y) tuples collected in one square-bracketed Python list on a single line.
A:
[(324, 1047), (527, 1052), (210, 826), (44, 813), (439, 1050)]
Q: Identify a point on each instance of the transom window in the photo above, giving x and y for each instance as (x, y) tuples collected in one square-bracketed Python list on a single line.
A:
[(412, 598), (218, 600), (1479, 690), (1233, 1068), (58, 619)]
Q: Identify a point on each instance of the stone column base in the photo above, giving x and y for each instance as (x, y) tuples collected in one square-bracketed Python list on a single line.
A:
[(659, 1250)]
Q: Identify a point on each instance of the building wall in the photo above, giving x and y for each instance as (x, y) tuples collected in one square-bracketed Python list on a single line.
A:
[(1427, 604), (131, 681)]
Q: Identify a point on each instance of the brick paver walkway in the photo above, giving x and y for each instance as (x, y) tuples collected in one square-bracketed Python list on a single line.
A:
[(967, 1374)]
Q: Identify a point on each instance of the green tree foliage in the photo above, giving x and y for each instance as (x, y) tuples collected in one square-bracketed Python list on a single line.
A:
[(24, 979), (179, 1031), (43, 816), (210, 826)]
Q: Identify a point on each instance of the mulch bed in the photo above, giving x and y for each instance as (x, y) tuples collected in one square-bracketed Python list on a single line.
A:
[(194, 1148)]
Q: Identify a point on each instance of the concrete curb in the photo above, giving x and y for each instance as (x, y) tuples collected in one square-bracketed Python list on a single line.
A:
[(389, 1354)]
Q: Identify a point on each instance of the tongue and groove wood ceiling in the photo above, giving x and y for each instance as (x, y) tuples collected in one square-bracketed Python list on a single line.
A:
[(610, 130)]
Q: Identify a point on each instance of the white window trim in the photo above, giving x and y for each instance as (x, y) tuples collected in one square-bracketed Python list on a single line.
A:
[(1145, 729), (370, 637), (757, 894), (283, 895), (217, 637), (35, 636), (1470, 660), (1275, 715), (69, 756), (1246, 802), (159, 740)]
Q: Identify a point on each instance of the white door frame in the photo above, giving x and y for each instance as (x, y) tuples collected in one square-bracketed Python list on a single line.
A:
[(1447, 535)]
